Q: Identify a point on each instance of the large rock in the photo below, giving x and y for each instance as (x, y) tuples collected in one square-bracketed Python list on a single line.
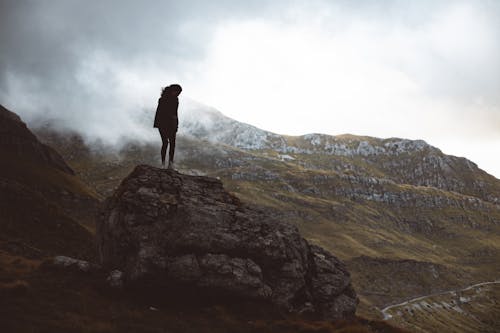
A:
[(170, 229)]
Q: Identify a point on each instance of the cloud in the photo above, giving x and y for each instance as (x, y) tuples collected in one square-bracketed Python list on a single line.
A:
[(358, 70), (90, 67), (385, 68)]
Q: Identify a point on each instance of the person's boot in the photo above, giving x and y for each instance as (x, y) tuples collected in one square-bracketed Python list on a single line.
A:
[(163, 164), (171, 165)]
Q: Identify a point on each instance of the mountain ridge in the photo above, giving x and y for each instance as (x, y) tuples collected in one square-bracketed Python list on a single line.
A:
[(199, 123), (377, 157)]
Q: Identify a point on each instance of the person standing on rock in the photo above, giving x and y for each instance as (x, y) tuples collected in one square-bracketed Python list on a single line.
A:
[(167, 122)]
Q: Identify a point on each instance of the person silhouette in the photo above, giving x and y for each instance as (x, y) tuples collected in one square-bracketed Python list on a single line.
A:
[(167, 122)]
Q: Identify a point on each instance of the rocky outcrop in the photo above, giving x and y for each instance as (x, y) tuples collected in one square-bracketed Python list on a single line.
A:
[(181, 231)]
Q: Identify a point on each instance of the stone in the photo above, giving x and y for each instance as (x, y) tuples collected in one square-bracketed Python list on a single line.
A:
[(171, 229), (69, 262), (115, 279)]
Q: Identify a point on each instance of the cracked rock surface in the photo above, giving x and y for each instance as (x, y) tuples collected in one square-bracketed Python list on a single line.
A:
[(164, 228)]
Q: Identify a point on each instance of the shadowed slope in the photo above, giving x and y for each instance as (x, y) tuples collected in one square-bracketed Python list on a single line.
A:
[(43, 205)]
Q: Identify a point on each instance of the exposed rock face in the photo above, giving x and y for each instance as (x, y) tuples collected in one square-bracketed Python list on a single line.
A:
[(188, 231)]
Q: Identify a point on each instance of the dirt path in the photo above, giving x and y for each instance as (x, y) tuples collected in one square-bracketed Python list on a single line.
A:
[(385, 310)]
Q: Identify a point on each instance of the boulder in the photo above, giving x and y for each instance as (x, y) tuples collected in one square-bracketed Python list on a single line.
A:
[(171, 230)]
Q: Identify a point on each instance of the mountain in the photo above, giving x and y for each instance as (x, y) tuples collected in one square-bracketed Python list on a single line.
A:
[(47, 214), (407, 219), (45, 208), (401, 160)]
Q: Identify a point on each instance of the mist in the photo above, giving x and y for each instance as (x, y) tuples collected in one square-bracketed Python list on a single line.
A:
[(420, 70)]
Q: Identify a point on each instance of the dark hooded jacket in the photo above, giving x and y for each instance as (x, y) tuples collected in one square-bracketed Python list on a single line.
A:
[(166, 113)]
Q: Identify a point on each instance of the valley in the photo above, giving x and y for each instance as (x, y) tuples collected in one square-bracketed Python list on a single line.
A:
[(466, 308)]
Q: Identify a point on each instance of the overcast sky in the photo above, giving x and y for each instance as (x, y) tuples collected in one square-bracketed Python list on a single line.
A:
[(414, 69)]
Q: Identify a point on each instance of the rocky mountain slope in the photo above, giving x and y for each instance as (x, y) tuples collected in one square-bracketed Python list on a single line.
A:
[(408, 219), (401, 160)]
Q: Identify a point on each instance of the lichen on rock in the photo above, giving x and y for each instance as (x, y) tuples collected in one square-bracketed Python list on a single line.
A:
[(187, 231)]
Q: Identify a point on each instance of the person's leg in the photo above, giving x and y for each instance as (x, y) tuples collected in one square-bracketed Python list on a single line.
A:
[(171, 149), (164, 140)]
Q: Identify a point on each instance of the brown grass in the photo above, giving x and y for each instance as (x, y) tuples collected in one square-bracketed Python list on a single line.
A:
[(45, 299)]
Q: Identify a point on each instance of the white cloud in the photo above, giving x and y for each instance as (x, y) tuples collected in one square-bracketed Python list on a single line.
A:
[(419, 69), (438, 80)]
